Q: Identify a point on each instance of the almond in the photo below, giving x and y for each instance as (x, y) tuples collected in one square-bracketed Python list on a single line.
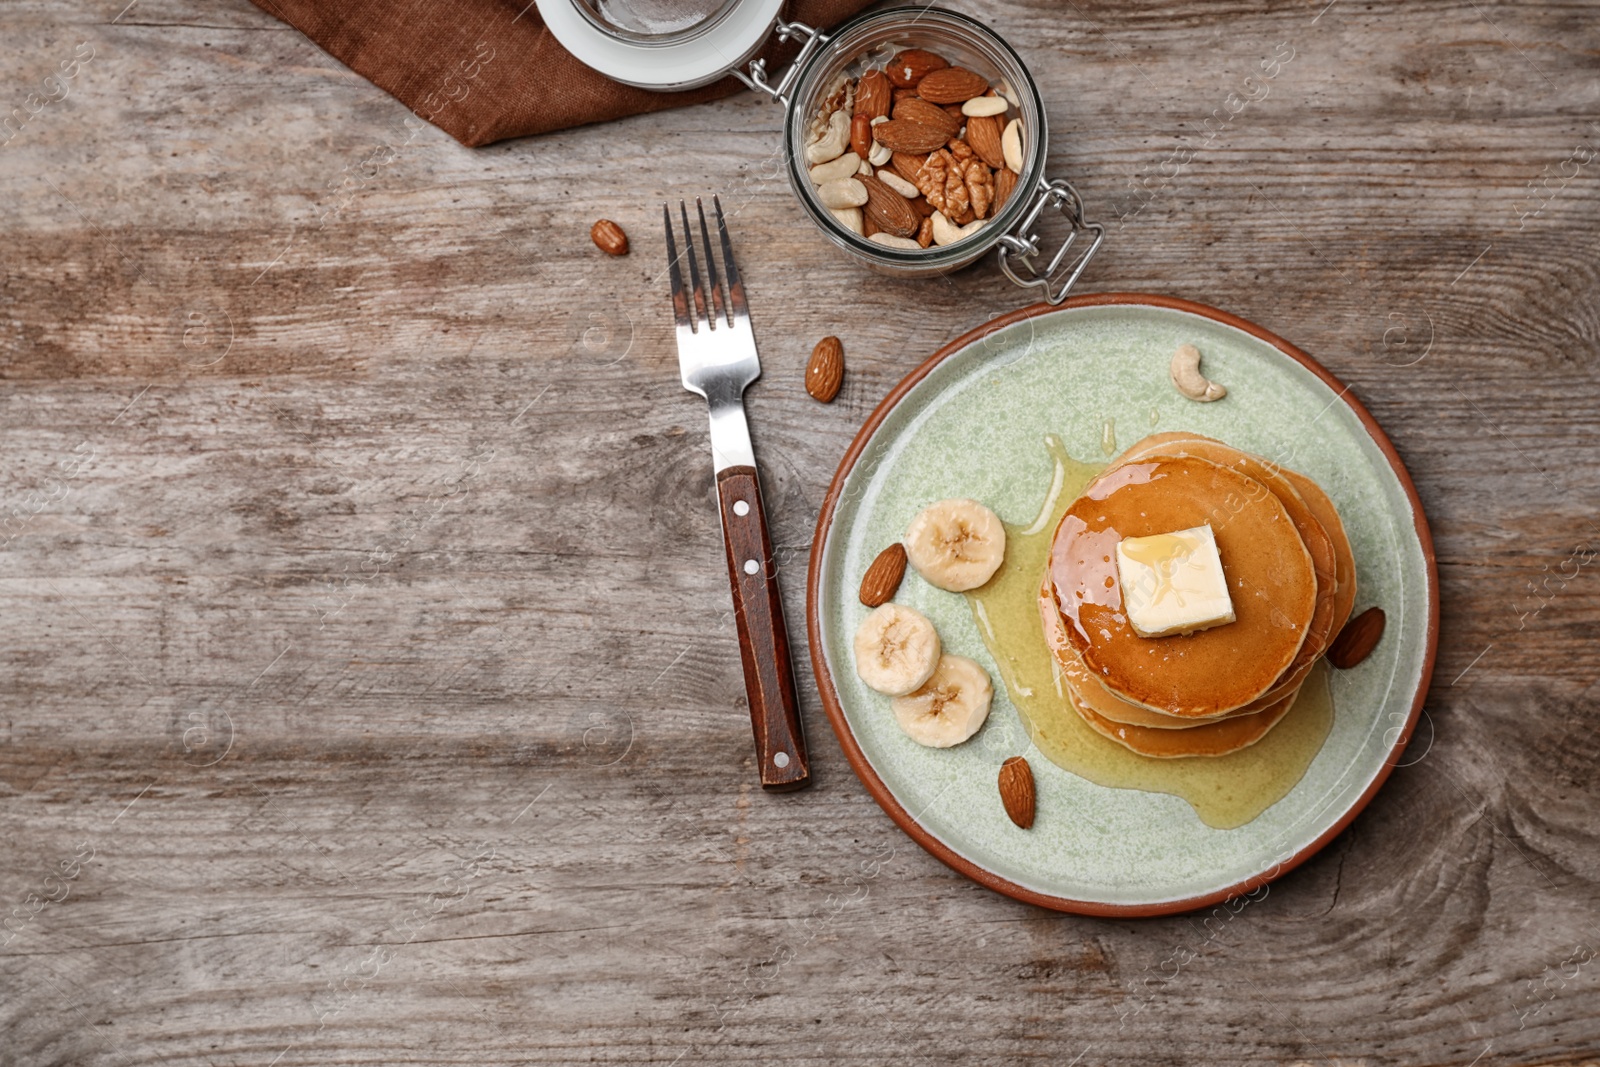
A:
[(915, 109), (1357, 640), (1005, 180), (861, 135), (1016, 790), (825, 372), (907, 69), (983, 137), (888, 209), (609, 238), (882, 579), (874, 94), (951, 85), (902, 135), (925, 232), (908, 164)]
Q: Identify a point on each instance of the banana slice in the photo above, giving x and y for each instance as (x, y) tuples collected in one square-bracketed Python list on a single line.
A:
[(950, 707), (956, 544), (897, 649)]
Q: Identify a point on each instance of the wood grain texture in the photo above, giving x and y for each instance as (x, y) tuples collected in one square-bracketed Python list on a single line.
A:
[(370, 685)]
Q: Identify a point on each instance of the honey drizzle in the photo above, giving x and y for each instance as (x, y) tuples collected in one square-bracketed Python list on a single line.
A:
[(1225, 791)]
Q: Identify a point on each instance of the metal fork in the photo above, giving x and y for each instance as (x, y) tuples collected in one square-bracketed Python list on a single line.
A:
[(717, 360)]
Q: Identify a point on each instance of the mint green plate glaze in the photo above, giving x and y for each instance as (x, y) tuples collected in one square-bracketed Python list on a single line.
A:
[(971, 422)]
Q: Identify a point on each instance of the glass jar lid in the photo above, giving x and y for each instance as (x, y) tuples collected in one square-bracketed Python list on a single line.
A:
[(661, 44)]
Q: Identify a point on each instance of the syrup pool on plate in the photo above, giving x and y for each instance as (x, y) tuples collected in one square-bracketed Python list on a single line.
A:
[(1225, 791)]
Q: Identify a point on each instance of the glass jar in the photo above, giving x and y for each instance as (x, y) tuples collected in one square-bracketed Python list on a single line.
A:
[(693, 51)]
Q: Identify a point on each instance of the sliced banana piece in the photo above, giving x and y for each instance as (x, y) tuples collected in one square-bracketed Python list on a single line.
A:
[(956, 544), (897, 649), (950, 706)]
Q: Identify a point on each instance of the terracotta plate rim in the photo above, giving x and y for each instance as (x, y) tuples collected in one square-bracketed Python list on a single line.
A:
[(863, 767)]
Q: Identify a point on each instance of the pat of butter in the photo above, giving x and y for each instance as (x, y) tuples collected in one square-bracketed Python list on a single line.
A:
[(1173, 583)]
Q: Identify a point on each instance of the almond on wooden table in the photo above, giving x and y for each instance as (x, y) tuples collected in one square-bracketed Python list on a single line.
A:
[(609, 238), (882, 580), (1017, 791), (825, 372)]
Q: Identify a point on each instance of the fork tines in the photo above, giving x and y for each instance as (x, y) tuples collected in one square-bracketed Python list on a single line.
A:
[(714, 305)]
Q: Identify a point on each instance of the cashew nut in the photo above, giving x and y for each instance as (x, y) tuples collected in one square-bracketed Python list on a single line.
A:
[(1011, 145), (879, 155), (843, 192), (831, 144), (1187, 377), (946, 232), (849, 218), (864, 169), (889, 240), (843, 167)]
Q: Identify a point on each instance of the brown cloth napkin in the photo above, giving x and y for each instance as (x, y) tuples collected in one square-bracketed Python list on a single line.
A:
[(485, 70)]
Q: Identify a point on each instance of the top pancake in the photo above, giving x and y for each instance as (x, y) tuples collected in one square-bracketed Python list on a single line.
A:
[(1306, 523), (1269, 572)]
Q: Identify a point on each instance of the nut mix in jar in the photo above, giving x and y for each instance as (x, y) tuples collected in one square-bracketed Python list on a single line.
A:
[(911, 152)]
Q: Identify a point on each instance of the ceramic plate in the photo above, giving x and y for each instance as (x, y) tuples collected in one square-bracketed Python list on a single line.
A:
[(971, 422)]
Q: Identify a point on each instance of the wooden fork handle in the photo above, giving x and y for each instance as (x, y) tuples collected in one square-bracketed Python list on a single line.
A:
[(763, 637)]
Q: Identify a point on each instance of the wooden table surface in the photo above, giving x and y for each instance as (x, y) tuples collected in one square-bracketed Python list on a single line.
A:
[(370, 689)]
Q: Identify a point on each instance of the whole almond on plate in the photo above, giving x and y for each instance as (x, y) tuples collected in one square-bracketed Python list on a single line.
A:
[(1357, 640), (1005, 180), (952, 85), (874, 94), (902, 135), (983, 136), (882, 579), (915, 109), (907, 69), (609, 238), (891, 211), (1016, 790), (825, 372)]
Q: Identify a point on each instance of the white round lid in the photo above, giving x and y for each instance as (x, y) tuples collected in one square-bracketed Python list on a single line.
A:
[(661, 44)]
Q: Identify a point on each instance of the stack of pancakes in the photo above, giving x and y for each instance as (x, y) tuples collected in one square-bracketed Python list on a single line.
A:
[(1290, 573)]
